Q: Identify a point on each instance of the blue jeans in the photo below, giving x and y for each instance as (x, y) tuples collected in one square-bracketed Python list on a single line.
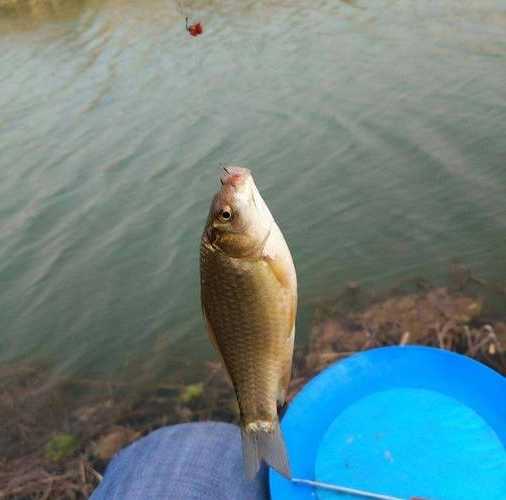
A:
[(183, 462)]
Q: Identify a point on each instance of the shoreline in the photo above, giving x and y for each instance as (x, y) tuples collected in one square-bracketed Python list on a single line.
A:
[(59, 445)]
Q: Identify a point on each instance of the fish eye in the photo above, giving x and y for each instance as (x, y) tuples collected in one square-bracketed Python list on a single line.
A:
[(225, 214)]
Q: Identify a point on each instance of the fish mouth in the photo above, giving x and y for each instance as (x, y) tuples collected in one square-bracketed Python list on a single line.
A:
[(234, 176)]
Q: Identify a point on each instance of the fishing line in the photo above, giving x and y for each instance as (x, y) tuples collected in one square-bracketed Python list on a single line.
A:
[(344, 489)]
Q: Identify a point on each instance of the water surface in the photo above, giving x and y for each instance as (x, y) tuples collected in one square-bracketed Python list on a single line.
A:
[(375, 130)]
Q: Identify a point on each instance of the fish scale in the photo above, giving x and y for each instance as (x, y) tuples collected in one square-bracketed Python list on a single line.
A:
[(234, 303)]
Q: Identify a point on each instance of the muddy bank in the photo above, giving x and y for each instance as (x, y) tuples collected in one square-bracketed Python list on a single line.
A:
[(57, 439)]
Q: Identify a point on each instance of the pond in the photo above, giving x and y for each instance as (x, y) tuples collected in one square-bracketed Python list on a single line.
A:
[(375, 131)]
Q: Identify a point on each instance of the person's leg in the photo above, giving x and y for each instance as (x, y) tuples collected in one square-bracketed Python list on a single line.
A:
[(184, 462)]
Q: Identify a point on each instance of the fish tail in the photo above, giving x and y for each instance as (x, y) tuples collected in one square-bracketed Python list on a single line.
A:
[(262, 440)]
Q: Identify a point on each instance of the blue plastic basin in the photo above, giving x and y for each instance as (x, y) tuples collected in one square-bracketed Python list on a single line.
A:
[(400, 421)]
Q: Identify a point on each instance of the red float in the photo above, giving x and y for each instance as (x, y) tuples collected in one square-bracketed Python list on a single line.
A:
[(194, 29)]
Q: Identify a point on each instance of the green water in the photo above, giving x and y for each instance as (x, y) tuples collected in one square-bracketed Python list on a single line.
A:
[(376, 132)]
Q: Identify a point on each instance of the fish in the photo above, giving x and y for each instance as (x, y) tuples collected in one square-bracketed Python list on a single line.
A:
[(249, 302)]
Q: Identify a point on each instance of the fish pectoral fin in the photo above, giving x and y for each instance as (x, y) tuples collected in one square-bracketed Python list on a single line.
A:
[(285, 275), (280, 269)]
